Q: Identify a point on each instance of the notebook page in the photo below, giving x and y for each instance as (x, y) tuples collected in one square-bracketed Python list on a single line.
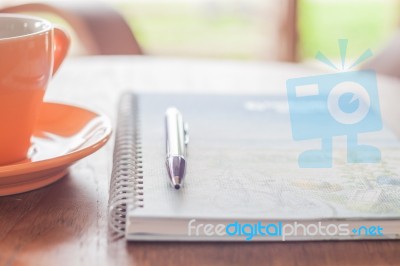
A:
[(242, 163)]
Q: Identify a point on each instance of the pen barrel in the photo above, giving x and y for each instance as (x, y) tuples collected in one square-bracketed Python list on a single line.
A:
[(175, 133)]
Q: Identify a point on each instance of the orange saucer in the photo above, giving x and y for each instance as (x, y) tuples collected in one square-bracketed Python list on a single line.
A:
[(64, 134)]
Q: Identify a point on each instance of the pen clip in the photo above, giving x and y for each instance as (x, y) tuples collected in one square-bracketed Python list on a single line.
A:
[(186, 133)]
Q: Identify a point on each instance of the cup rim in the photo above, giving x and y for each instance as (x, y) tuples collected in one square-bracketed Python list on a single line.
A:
[(48, 25)]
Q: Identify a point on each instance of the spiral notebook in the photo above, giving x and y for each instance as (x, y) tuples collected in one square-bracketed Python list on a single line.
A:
[(243, 181)]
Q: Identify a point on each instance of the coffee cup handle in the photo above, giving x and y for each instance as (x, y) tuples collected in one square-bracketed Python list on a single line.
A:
[(61, 45)]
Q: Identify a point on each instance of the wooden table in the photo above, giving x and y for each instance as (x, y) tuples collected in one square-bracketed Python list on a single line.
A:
[(66, 223)]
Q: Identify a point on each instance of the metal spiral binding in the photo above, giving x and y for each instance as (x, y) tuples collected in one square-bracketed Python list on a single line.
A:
[(126, 186)]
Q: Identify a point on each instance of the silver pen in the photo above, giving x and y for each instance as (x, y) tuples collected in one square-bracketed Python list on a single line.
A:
[(177, 138)]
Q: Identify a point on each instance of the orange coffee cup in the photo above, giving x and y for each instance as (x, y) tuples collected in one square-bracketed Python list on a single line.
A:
[(31, 50)]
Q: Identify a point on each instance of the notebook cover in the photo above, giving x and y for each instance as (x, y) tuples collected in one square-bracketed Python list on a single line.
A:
[(242, 165)]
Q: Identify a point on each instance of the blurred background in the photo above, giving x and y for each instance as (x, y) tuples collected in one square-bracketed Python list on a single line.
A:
[(286, 30)]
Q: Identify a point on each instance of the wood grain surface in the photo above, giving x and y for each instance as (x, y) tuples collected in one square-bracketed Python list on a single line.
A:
[(66, 223)]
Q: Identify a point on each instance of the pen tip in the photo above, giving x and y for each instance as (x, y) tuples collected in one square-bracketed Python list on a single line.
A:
[(177, 186)]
